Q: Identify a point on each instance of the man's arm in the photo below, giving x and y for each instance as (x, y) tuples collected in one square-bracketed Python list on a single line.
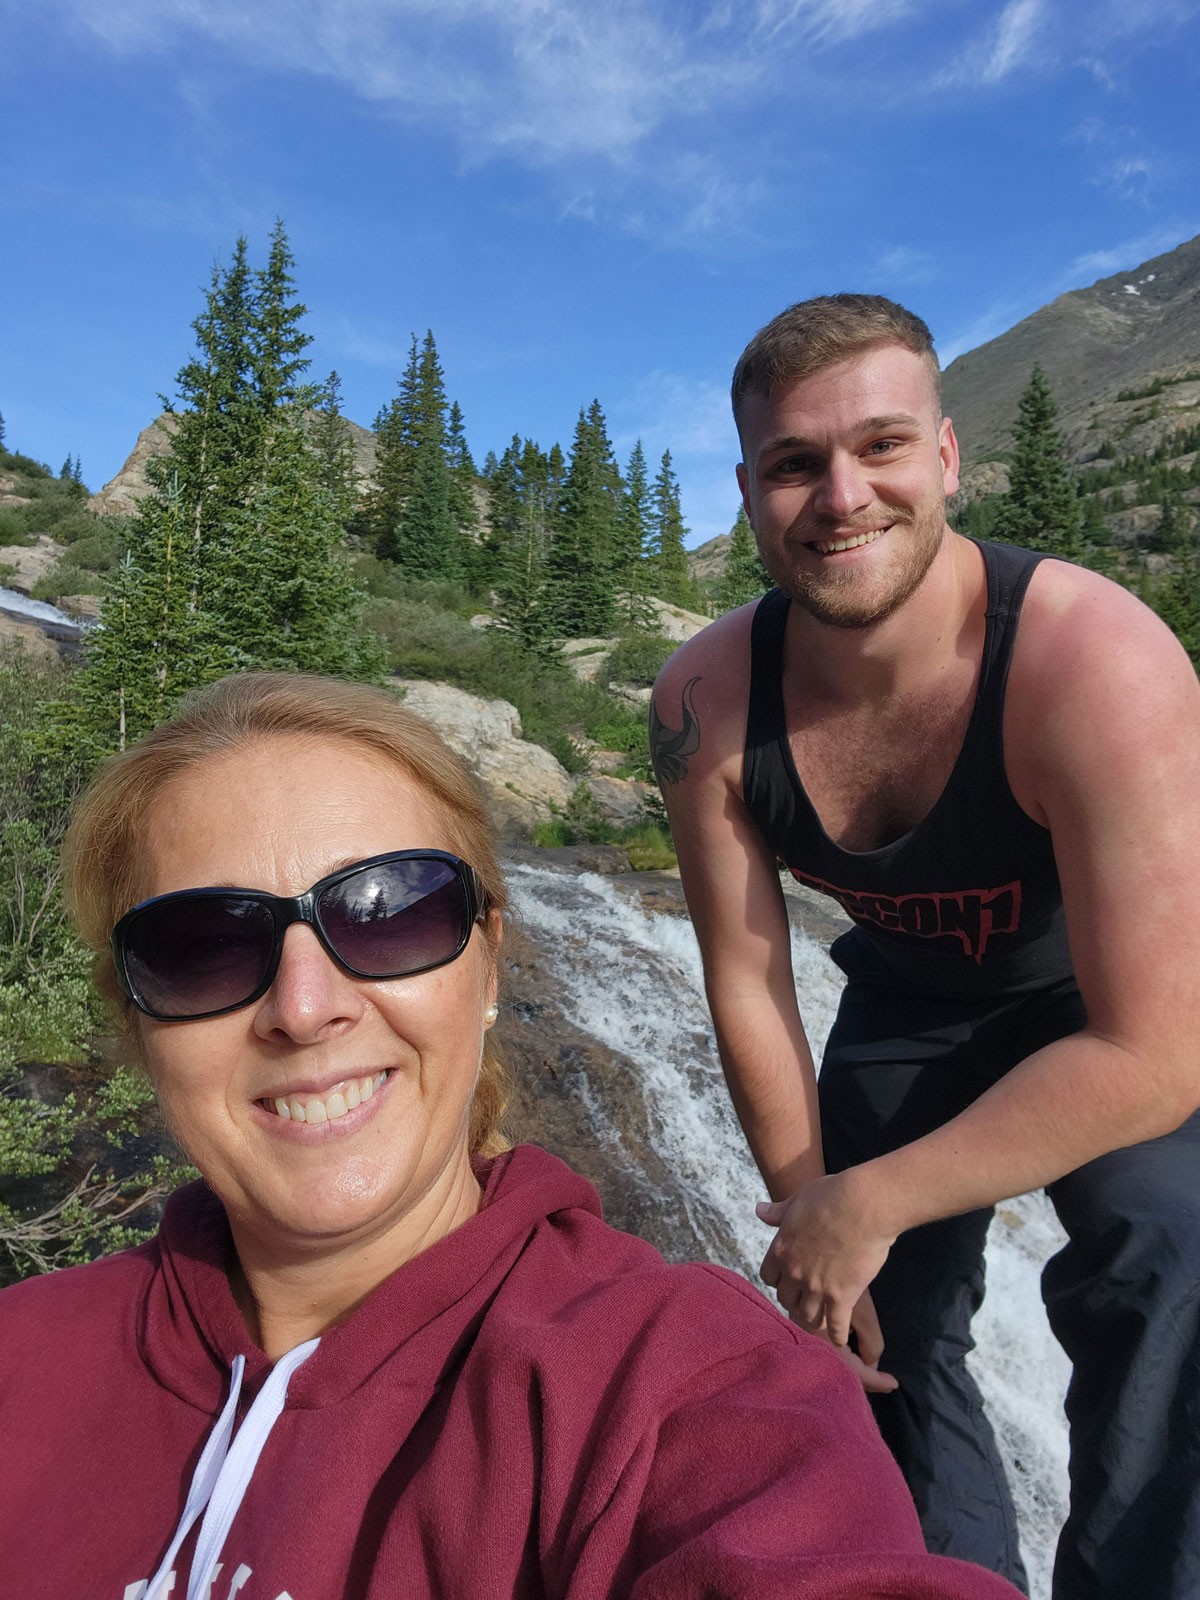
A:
[(1103, 746), (729, 876)]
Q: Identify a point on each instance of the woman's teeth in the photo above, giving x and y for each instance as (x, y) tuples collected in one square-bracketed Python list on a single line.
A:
[(328, 1107), (828, 546)]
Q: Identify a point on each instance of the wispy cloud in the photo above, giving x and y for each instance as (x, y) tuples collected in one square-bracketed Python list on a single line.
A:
[(902, 264), (1005, 46), (1125, 256), (691, 413), (825, 22)]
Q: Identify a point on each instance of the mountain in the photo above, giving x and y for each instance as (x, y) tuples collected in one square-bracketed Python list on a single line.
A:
[(1119, 334)]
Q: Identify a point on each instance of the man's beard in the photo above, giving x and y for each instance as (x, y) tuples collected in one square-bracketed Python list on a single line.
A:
[(846, 599)]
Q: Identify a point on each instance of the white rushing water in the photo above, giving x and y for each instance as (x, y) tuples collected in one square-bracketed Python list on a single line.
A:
[(633, 982), (20, 605)]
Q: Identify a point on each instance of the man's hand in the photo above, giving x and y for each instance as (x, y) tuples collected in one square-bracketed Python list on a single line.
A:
[(820, 1263)]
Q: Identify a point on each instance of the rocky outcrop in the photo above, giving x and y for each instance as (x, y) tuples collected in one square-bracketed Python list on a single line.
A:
[(120, 495), (27, 563), (523, 782)]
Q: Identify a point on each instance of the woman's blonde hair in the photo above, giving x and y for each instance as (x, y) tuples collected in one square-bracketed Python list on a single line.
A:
[(105, 842)]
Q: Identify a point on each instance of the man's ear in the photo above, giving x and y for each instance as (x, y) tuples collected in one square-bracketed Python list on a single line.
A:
[(743, 480), (948, 450)]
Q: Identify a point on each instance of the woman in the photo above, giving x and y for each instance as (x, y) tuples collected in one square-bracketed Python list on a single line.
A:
[(373, 1353)]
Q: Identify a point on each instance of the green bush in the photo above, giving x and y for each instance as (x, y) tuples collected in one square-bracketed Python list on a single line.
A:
[(639, 657)]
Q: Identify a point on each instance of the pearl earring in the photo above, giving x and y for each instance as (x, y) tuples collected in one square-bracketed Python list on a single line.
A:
[(490, 1015)]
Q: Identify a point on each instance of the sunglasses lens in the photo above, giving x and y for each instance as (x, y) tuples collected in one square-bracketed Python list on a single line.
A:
[(397, 917), (188, 957)]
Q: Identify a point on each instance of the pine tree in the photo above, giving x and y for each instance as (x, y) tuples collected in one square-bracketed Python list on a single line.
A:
[(630, 568), (580, 558), (1041, 508), (285, 600), (426, 540), (745, 578), (1178, 603), (462, 501), (395, 453), (671, 581), (429, 412), (277, 342), (520, 586), (1173, 526), (232, 562), (333, 445)]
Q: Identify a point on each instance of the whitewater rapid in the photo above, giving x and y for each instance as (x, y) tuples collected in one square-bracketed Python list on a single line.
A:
[(632, 981)]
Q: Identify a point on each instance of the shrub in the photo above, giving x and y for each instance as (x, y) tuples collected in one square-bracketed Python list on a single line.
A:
[(638, 657)]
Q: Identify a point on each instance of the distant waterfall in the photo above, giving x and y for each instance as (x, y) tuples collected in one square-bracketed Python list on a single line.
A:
[(633, 982)]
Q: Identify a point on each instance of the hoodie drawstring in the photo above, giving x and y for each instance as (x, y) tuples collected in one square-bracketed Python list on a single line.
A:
[(223, 1472)]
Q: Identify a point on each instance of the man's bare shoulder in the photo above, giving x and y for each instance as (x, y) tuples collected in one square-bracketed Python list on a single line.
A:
[(1097, 678), (698, 711), (1078, 627)]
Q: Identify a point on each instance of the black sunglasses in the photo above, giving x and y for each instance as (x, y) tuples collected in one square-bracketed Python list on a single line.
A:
[(202, 952)]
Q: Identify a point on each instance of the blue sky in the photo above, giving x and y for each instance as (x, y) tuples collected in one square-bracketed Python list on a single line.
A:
[(580, 197)]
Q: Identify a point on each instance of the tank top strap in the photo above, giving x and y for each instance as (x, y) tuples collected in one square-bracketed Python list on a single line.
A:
[(1009, 570), (764, 775)]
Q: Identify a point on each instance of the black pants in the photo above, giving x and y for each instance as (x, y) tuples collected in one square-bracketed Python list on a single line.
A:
[(1123, 1298)]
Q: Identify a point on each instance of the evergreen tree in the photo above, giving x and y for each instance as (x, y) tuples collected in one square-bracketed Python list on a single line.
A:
[(520, 585), (630, 569), (463, 509), (277, 341), (671, 581), (232, 561), (426, 540), (1178, 603), (581, 554), (395, 453), (745, 578), (1173, 526), (285, 601), (333, 445), (429, 413), (1041, 508)]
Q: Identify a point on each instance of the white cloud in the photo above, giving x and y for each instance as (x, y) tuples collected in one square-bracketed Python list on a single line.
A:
[(1124, 257), (902, 264), (690, 414), (825, 22), (547, 80), (1007, 44)]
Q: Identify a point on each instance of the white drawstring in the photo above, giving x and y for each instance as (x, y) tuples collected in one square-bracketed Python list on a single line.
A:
[(223, 1472)]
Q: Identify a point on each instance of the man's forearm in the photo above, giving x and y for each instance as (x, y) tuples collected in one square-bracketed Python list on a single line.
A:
[(773, 1086), (1070, 1102)]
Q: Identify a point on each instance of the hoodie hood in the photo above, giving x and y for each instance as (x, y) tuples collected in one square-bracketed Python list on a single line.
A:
[(191, 1329)]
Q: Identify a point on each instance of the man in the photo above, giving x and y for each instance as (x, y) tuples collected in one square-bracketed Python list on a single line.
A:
[(981, 755)]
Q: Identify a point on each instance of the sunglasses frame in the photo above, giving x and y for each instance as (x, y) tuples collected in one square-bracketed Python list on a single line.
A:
[(300, 908)]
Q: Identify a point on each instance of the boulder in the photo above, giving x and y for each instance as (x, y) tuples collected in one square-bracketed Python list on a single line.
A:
[(523, 783), (30, 561), (621, 800)]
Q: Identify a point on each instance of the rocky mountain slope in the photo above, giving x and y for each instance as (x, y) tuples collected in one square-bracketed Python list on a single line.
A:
[(1119, 334)]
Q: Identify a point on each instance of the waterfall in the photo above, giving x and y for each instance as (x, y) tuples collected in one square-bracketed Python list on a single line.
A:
[(632, 981)]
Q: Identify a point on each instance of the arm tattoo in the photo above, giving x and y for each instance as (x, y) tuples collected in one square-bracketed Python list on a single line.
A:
[(669, 749)]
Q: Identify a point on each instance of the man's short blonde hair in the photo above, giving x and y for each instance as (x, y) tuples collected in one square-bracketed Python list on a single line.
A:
[(818, 333)]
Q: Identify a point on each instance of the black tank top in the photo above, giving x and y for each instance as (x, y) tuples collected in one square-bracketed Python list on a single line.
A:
[(968, 902)]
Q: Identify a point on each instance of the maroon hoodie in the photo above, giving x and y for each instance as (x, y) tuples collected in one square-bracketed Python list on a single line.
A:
[(536, 1406)]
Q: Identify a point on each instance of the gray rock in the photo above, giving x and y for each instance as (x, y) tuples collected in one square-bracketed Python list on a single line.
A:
[(523, 783)]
